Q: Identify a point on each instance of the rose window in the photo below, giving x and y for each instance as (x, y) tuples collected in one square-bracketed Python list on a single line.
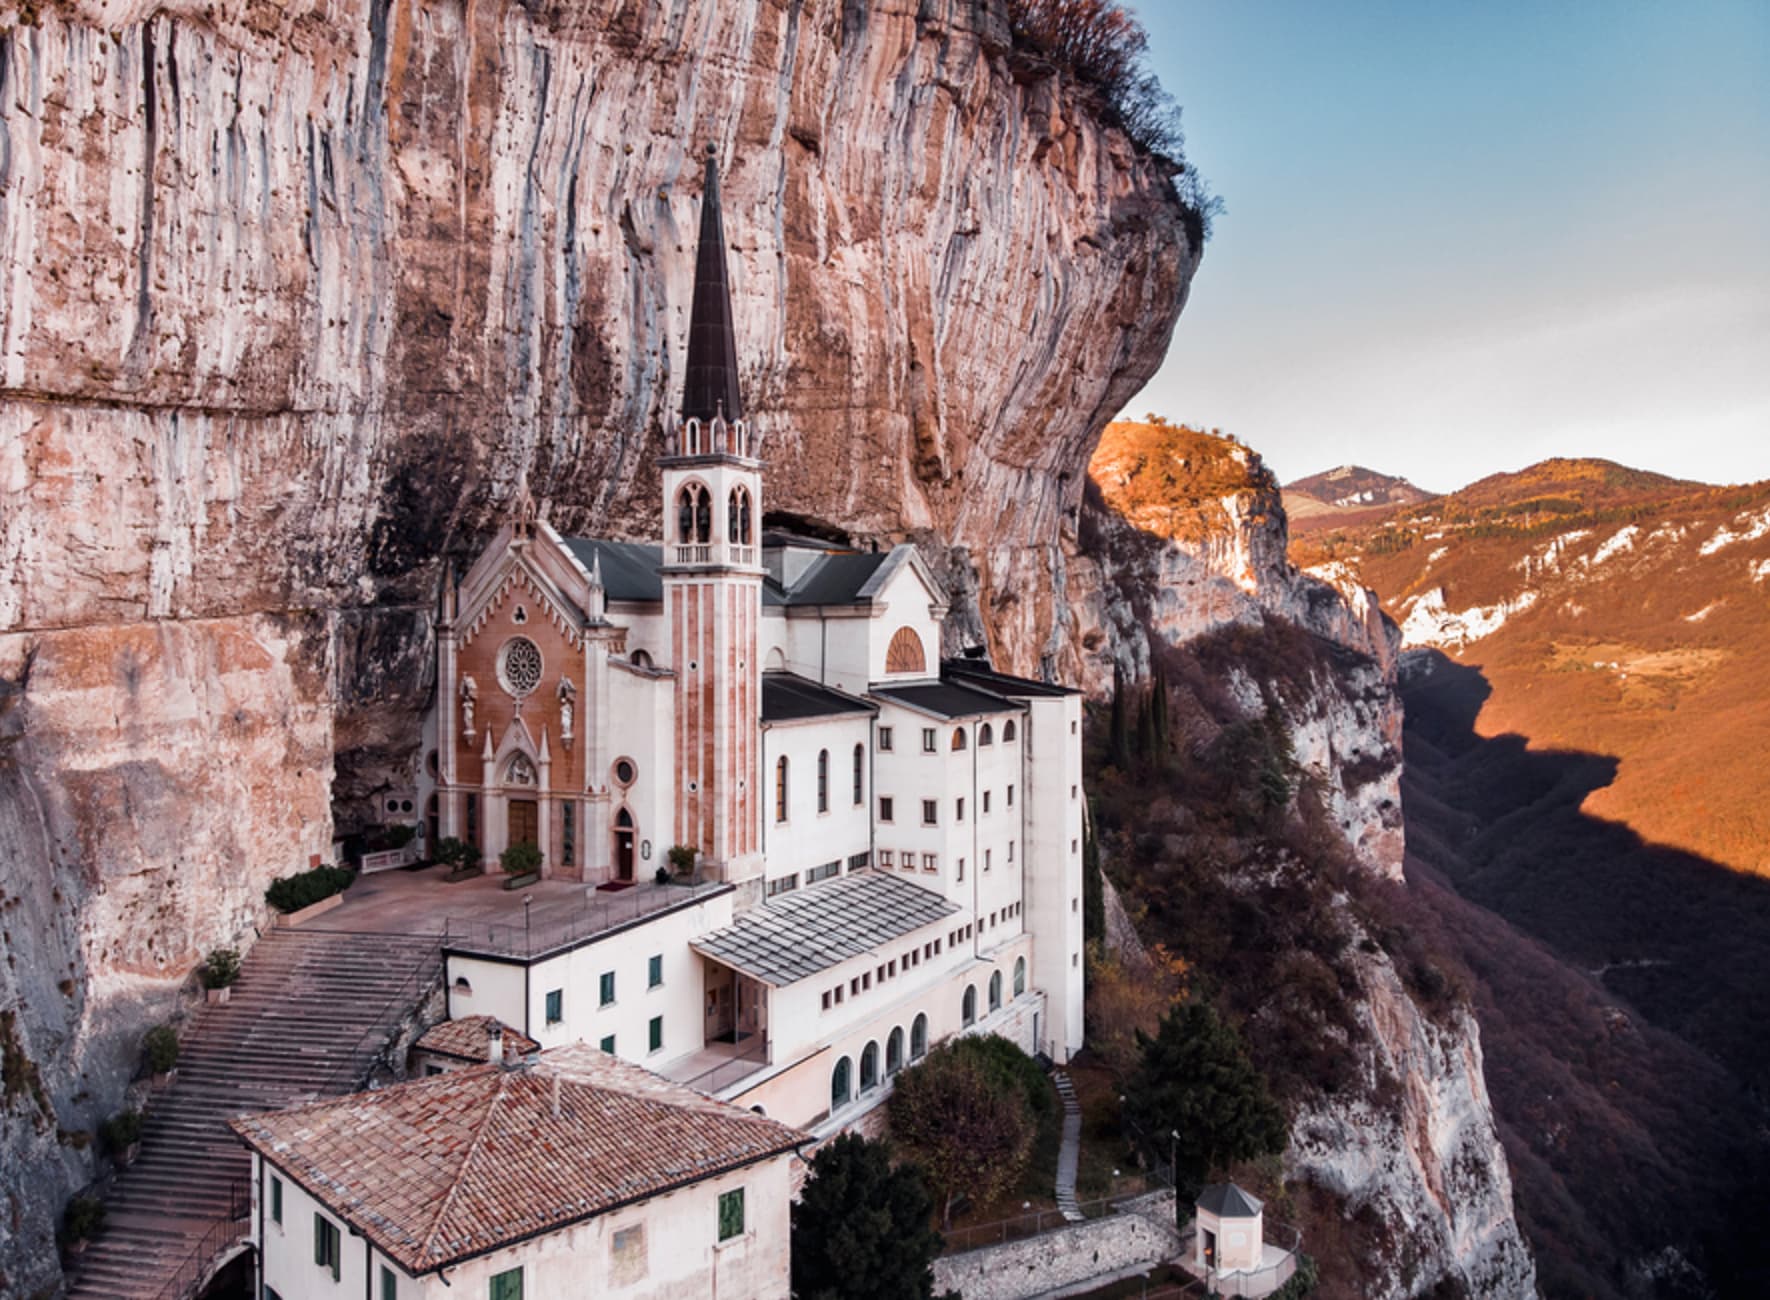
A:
[(519, 666)]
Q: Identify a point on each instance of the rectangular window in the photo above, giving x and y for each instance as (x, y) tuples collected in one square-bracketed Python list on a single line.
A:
[(930, 811), (961, 868), (1010, 850), (928, 742), (885, 857), (655, 1034), (930, 862), (826, 999), (961, 810), (389, 1287), (885, 739), (1072, 846), (986, 802), (891, 969), (785, 885), (606, 988), (859, 860), (473, 819), (506, 1286), (1010, 796), (854, 987), (276, 1200), (654, 970), (608, 1044), (1072, 792), (824, 872), (886, 807), (986, 857), (555, 1006), (731, 1214), (840, 995), (569, 839), (328, 1249), (866, 980)]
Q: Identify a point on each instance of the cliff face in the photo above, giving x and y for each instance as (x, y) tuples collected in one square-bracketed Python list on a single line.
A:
[(1182, 544), (293, 293)]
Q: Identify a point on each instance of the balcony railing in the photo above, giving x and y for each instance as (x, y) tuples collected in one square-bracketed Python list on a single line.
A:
[(600, 913), (694, 555)]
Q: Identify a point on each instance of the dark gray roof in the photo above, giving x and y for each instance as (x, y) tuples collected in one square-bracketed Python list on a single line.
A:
[(979, 673), (946, 699), (1227, 1201), (834, 579), (788, 696), (711, 376), (794, 936), (629, 569)]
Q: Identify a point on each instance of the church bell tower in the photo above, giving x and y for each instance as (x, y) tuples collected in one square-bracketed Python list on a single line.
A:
[(712, 576)]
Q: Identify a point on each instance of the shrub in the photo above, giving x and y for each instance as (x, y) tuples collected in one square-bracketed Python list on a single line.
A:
[(83, 1217), (121, 1131), (220, 969), (456, 854), (161, 1045), (304, 889), (681, 859), (522, 859)]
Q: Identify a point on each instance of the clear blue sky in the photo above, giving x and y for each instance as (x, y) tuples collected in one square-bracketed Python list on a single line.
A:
[(1462, 237)]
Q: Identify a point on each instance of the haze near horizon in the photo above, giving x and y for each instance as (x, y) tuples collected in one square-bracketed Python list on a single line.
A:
[(1460, 240)]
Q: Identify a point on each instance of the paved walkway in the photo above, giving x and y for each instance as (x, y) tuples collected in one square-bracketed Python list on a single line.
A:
[(309, 1016), (1070, 1152)]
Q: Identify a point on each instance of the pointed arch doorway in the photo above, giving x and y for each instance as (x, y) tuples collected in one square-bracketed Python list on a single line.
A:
[(624, 833)]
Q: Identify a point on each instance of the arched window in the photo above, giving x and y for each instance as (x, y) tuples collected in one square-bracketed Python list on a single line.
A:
[(1008, 732), (894, 1052), (624, 820), (968, 1008), (839, 1085), (869, 1068), (958, 737), (823, 780), (904, 654), (995, 991), (780, 789), (919, 1037), (737, 517), (1019, 976), (639, 659), (703, 516), (986, 735), (685, 515), (860, 768)]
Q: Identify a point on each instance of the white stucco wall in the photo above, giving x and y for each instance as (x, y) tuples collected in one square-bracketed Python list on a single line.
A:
[(808, 838)]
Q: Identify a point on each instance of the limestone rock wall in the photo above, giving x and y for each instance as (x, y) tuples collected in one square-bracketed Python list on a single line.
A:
[(292, 293)]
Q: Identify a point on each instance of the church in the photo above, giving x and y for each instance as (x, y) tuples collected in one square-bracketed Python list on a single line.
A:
[(894, 841)]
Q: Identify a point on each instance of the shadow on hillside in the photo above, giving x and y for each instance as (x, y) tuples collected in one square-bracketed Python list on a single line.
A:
[(1616, 1119)]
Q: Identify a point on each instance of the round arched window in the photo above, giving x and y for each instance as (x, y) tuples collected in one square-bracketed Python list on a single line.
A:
[(519, 666)]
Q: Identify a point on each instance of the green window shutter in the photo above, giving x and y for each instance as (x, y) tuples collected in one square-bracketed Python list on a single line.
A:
[(276, 1199), (608, 1044), (607, 987), (389, 1287), (656, 971), (319, 1238), (731, 1214), (555, 1006), (507, 1285), (657, 1032)]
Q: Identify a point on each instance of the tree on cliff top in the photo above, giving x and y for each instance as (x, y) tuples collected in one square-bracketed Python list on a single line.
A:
[(861, 1227), (1196, 1081)]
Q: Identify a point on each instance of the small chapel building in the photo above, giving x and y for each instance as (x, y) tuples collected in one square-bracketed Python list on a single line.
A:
[(901, 836)]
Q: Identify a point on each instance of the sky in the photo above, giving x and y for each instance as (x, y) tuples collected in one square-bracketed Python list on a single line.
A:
[(1461, 237)]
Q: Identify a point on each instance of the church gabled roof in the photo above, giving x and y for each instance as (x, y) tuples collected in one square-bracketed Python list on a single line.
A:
[(711, 386), (629, 569)]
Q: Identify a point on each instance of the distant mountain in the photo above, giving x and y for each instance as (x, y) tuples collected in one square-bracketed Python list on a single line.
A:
[(1349, 493), (1613, 611)]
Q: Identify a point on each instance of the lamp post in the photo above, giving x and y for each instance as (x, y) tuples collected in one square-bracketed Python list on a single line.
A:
[(527, 948)]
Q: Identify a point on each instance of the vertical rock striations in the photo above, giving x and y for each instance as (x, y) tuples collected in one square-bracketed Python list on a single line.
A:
[(292, 293)]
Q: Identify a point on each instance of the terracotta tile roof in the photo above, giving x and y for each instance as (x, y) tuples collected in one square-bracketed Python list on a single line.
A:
[(450, 1167), (467, 1039)]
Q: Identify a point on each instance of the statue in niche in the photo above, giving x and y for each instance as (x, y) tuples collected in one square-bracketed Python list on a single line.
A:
[(567, 694), (469, 695)]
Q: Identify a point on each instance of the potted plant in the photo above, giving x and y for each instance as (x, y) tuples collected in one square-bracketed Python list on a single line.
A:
[(460, 857), (161, 1046), (681, 859), (522, 863), (122, 1136), (219, 972), (80, 1222)]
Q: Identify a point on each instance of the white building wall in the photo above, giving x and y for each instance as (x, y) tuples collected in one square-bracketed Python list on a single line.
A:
[(1054, 813), (640, 728), (519, 997), (905, 602), (808, 838)]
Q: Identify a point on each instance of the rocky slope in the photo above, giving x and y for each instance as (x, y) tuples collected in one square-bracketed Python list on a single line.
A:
[(293, 294), (1395, 1171), (1348, 493)]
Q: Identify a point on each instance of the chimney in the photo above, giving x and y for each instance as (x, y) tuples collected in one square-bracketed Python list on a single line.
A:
[(495, 1043), (556, 1094)]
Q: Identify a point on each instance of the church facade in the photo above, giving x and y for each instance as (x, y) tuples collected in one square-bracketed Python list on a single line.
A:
[(899, 837)]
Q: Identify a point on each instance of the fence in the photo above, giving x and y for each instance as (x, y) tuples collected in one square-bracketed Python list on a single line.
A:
[(729, 1071), (601, 912), (221, 1235), (390, 859), (1258, 1282), (1033, 1224)]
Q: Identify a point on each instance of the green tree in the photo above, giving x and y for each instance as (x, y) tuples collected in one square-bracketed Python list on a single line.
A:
[(861, 1227), (1195, 1080), (1093, 885), (965, 1123), (1118, 740)]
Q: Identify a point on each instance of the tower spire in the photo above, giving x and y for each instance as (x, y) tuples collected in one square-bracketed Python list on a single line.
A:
[(712, 375)]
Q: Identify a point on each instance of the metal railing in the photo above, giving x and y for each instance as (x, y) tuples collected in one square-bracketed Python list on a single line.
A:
[(1033, 1224), (729, 1071), (600, 913), (221, 1235), (360, 1059), (1251, 1283)]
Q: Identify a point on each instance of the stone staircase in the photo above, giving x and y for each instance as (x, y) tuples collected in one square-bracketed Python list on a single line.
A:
[(1069, 1154), (311, 1012)]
